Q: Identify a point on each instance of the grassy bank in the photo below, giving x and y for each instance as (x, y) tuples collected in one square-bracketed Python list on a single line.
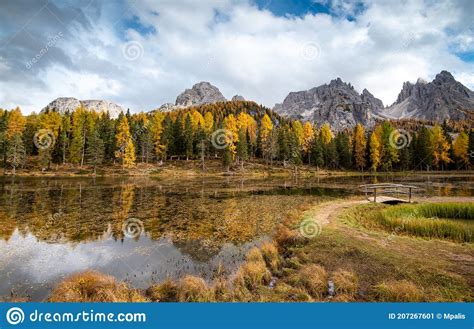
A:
[(453, 221), (348, 261)]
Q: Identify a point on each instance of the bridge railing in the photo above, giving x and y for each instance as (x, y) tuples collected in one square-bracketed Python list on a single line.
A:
[(388, 189)]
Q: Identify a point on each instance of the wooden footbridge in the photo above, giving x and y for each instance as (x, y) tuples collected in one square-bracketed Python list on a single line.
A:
[(388, 193)]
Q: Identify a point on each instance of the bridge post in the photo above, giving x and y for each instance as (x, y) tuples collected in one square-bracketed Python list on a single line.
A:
[(409, 194), (375, 194)]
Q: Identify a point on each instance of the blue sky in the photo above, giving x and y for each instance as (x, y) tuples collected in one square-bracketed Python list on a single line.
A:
[(141, 54)]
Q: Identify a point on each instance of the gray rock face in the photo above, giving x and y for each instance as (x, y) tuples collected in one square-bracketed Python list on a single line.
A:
[(70, 104), (167, 107), (337, 103), (237, 98), (200, 93), (443, 98)]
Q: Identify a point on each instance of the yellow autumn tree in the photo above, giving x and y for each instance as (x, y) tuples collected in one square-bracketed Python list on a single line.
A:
[(156, 130), (247, 124), (232, 134), (461, 148), (16, 153), (266, 127), (208, 123), (298, 131), (197, 120), (440, 147), (308, 137), (360, 146), (16, 123), (375, 150), (124, 141), (326, 134)]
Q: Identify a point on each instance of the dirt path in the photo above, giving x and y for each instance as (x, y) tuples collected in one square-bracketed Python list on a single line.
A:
[(326, 212)]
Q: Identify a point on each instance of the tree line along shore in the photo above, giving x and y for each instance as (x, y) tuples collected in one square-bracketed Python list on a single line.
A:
[(236, 133)]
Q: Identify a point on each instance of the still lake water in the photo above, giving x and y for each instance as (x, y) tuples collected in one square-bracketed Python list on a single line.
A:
[(143, 230)]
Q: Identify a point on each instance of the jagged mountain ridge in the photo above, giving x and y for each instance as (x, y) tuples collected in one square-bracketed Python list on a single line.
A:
[(443, 98), (70, 104), (337, 103)]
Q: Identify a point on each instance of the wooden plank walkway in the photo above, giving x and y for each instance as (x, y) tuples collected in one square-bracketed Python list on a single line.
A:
[(388, 193)]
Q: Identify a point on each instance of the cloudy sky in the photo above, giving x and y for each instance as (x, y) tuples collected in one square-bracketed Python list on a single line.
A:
[(141, 54)]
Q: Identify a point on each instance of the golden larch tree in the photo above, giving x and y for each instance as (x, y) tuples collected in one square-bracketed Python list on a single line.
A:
[(461, 149), (375, 150), (360, 146), (440, 147), (126, 149)]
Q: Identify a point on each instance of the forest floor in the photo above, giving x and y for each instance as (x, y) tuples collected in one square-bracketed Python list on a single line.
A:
[(213, 168)]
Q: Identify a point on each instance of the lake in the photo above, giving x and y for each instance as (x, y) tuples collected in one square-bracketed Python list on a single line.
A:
[(144, 230)]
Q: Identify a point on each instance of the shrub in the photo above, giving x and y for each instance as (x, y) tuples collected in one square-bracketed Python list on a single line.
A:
[(91, 286)]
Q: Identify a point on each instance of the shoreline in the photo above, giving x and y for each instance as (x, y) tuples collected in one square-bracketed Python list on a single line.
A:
[(191, 169)]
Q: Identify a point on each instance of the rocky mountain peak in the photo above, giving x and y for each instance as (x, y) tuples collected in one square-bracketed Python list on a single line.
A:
[(201, 93), (443, 98), (236, 98), (337, 103), (70, 104), (444, 77)]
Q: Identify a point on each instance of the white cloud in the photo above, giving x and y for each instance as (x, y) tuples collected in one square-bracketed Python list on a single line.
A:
[(243, 50)]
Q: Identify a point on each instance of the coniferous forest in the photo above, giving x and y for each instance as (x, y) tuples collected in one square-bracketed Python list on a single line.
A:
[(235, 132)]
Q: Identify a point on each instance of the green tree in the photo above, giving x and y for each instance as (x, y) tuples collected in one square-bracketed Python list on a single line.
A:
[(188, 137), (16, 154), (95, 149)]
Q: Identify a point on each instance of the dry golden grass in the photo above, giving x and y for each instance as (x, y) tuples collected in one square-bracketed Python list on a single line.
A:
[(271, 256), (313, 278), (193, 289), (166, 291), (285, 237), (221, 290), (92, 286), (345, 282), (398, 291), (254, 255), (251, 275)]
